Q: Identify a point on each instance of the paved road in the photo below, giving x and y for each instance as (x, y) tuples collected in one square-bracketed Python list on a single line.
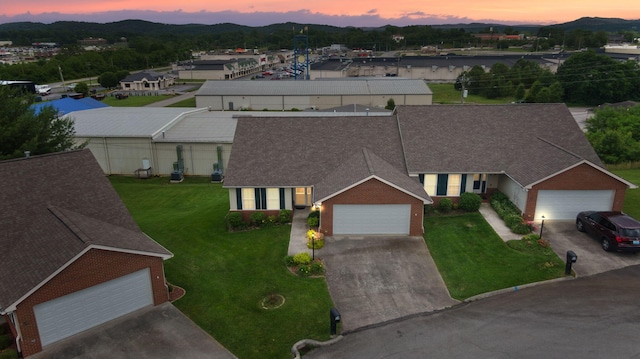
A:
[(589, 317)]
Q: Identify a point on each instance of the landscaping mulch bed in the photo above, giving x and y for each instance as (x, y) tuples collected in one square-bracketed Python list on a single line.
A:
[(176, 293)]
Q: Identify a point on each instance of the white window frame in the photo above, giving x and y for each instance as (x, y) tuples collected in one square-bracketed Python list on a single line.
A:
[(273, 198), (431, 184), (248, 198), (453, 185)]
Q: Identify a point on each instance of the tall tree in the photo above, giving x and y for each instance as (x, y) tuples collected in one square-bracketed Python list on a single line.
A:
[(22, 129)]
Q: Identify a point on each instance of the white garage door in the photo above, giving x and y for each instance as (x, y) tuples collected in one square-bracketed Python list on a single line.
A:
[(566, 204), (371, 219), (73, 313)]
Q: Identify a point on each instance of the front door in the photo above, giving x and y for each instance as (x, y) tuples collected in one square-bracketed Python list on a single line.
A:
[(302, 197), (479, 183)]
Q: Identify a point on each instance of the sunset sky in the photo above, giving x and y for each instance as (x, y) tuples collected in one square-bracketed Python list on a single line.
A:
[(334, 12)]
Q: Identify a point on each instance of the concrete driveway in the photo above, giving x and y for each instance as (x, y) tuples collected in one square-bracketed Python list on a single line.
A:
[(592, 259), (160, 332), (377, 279)]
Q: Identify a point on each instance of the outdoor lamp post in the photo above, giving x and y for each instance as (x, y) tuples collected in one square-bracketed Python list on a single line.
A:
[(541, 227)]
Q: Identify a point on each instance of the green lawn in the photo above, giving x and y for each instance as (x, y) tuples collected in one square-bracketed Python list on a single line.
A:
[(446, 94), (226, 275), (473, 259), (190, 102), (133, 101), (632, 197)]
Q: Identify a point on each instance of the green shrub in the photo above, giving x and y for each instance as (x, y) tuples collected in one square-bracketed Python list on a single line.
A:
[(271, 221), (428, 208), (9, 354), (289, 261), (499, 196), (284, 216), (521, 228), (532, 237), (445, 204), (304, 270), (302, 258), (318, 243), (234, 220), (511, 220), (317, 268), (257, 218), (314, 214), (470, 201), (5, 341), (313, 221)]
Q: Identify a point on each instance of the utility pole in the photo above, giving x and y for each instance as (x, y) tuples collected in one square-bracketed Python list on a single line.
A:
[(62, 78), (463, 81)]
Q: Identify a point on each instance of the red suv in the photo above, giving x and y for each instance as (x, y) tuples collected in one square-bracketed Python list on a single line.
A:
[(615, 230)]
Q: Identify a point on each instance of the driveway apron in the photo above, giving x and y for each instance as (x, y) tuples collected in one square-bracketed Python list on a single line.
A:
[(377, 279), (160, 332), (592, 259)]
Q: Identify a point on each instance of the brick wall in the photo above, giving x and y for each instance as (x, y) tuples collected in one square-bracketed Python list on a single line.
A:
[(94, 267), (373, 192), (583, 177)]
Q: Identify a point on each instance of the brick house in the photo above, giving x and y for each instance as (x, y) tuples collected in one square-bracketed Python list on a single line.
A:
[(373, 175), (146, 81), (73, 257)]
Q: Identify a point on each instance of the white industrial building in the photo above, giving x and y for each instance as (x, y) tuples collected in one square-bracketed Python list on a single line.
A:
[(316, 94), (145, 140)]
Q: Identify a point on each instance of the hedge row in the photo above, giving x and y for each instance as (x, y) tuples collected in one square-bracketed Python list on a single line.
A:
[(235, 221), (509, 213)]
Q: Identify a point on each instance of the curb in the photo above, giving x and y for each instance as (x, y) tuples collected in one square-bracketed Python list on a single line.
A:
[(304, 342), (516, 288)]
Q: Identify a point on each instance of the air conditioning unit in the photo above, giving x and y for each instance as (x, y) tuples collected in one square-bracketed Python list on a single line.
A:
[(176, 176), (216, 176)]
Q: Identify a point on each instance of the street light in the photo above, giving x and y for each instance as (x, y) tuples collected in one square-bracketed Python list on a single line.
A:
[(541, 227)]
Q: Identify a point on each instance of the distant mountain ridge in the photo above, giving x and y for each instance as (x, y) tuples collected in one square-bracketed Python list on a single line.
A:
[(147, 27)]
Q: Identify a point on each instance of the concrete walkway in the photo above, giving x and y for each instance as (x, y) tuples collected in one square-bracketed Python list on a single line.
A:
[(497, 223), (299, 228)]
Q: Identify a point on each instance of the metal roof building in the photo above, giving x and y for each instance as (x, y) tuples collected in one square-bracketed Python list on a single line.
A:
[(125, 140), (317, 94)]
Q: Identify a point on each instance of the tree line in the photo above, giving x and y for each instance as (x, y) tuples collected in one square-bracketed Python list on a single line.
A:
[(585, 78), (131, 47)]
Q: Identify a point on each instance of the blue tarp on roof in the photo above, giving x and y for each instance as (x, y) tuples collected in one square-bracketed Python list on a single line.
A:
[(68, 105)]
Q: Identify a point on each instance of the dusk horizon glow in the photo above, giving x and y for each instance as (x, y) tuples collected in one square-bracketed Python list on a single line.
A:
[(330, 12)]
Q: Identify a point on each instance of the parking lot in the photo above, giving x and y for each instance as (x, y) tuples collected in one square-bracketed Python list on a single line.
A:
[(592, 259)]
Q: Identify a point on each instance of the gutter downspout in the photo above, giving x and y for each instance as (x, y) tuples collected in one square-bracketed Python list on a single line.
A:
[(14, 319)]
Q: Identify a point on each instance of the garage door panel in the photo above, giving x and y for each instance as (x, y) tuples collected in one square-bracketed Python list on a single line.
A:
[(565, 204), (73, 313), (371, 219)]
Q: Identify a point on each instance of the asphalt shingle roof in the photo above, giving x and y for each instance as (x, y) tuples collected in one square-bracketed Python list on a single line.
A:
[(528, 142), (55, 207), (362, 166), (300, 151)]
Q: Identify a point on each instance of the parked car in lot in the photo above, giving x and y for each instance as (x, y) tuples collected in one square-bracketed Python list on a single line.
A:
[(616, 231)]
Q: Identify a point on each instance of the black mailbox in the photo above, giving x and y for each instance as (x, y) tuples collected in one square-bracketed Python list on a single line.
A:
[(571, 258), (334, 315)]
